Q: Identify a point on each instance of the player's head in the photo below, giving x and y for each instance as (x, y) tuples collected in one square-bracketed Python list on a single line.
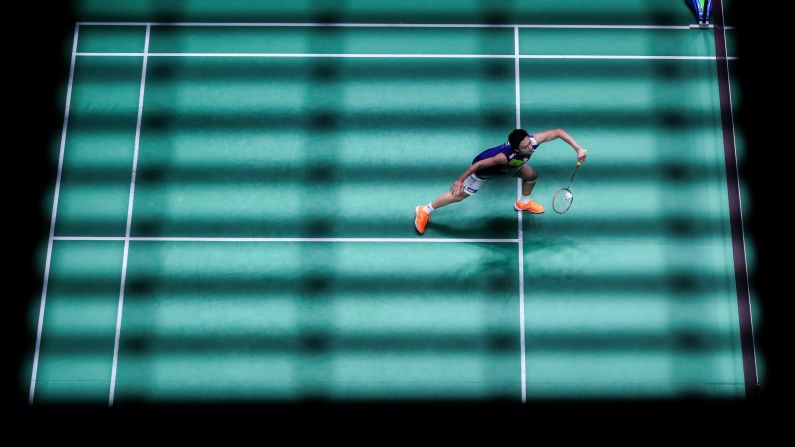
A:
[(519, 140)]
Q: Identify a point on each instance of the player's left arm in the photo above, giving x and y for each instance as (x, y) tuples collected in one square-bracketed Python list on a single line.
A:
[(547, 135)]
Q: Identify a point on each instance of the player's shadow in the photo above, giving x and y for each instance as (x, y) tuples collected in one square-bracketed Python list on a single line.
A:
[(487, 228)]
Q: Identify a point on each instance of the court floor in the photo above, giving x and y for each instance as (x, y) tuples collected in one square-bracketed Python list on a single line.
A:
[(233, 217)]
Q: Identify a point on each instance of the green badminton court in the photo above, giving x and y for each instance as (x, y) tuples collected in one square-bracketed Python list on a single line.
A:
[(233, 217)]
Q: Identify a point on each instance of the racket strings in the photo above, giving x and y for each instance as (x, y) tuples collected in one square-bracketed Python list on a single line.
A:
[(562, 200)]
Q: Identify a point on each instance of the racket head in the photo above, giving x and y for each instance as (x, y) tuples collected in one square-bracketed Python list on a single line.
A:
[(562, 200)]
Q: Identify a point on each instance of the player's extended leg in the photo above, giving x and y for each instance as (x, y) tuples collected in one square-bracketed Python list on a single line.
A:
[(529, 177), (423, 212), (448, 198)]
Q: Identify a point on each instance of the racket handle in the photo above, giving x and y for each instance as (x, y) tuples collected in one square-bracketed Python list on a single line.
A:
[(579, 162)]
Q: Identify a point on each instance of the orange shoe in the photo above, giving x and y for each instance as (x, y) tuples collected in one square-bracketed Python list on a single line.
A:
[(421, 218), (531, 206)]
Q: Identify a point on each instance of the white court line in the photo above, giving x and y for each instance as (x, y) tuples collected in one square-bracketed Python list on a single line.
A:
[(111, 54), (574, 56), (519, 221), (385, 25), (129, 221), (281, 239), (332, 55), (402, 56), (52, 221)]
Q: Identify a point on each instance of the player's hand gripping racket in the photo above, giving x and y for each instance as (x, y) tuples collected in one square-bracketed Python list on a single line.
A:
[(563, 197)]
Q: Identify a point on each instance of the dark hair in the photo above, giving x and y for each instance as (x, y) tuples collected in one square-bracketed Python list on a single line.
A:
[(516, 137)]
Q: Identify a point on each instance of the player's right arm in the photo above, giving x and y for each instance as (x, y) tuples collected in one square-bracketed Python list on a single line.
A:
[(497, 160)]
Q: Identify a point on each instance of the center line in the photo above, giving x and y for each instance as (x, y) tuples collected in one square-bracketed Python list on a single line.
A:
[(129, 222)]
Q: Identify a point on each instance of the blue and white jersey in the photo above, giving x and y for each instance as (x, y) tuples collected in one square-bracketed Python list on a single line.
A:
[(515, 160)]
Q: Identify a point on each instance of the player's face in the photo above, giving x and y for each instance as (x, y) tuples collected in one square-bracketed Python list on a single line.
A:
[(524, 145)]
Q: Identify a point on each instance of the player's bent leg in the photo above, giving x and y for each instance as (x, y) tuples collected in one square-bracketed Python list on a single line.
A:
[(529, 177)]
